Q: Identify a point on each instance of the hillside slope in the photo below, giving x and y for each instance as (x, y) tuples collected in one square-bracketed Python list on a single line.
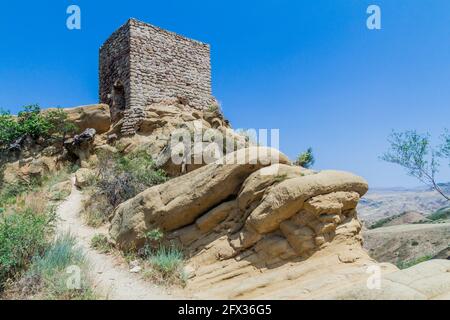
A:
[(383, 203), (404, 243)]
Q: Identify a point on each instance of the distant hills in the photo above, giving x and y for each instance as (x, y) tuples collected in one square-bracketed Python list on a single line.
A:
[(381, 203)]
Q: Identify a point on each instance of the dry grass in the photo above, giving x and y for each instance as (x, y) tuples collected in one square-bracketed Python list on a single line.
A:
[(96, 209), (36, 201)]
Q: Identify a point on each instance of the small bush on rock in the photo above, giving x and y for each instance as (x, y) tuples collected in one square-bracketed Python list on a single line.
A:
[(164, 259), (306, 159), (166, 266), (120, 178)]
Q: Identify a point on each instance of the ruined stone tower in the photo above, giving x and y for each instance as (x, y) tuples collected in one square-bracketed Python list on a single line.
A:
[(141, 64)]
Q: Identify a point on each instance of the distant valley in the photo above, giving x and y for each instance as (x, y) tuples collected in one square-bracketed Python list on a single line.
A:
[(387, 202)]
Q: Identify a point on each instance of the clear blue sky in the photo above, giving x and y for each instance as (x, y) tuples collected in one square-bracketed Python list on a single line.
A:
[(310, 68)]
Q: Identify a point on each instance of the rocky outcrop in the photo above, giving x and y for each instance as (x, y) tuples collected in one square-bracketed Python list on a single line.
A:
[(180, 201), (96, 116), (156, 127), (265, 230), (83, 177), (25, 170), (81, 145)]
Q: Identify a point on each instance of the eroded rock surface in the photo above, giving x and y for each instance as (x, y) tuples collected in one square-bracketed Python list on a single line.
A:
[(268, 229)]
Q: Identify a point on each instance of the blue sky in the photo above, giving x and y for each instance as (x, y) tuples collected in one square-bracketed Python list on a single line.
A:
[(310, 68)]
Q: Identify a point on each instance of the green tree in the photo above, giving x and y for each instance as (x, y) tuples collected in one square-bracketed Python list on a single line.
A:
[(59, 126), (444, 151), (414, 152), (35, 124), (306, 159), (32, 123), (9, 128)]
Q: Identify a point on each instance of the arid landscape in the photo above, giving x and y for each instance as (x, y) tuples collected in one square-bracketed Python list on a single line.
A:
[(248, 225), (404, 226), (150, 193)]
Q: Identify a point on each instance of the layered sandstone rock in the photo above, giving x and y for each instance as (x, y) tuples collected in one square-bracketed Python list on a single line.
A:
[(180, 201), (25, 170), (171, 129), (253, 228), (95, 116)]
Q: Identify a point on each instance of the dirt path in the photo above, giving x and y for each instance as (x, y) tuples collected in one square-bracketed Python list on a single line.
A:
[(111, 277)]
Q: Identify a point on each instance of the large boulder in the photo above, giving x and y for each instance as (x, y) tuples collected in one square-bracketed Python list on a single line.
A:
[(95, 116), (83, 177), (288, 197), (25, 170), (182, 200), (81, 146)]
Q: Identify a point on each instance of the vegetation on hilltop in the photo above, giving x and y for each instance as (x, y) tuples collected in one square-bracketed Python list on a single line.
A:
[(32, 122), (305, 159)]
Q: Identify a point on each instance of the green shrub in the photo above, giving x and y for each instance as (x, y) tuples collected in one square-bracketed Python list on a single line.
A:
[(166, 266), (154, 235), (22, 236), (380, 223), (410, 263), (35, 124), (441, 214), (306, 159), (123, 177), (165, 259), (49, 273), (100, 243), (9, 128)]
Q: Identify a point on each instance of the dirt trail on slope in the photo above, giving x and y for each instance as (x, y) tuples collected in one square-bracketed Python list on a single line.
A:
[(111, 277)]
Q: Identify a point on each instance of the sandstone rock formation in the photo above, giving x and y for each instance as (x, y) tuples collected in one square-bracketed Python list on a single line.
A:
[(256, 227), (83, 177), (268, 230), (170, 120), (257, 222), (81, 145), (95, 116), (25, 170)]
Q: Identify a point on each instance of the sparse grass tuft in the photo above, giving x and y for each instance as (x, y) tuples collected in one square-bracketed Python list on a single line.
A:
[(166, 266), (100, 243), (31, 264), (407, 264), (59, 274)]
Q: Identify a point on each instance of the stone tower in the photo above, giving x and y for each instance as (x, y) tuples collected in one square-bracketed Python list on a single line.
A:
[(141, 64)]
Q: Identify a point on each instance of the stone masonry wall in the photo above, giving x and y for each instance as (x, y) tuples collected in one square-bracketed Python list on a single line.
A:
[(141, 64), (167, 65), (114, 67)]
